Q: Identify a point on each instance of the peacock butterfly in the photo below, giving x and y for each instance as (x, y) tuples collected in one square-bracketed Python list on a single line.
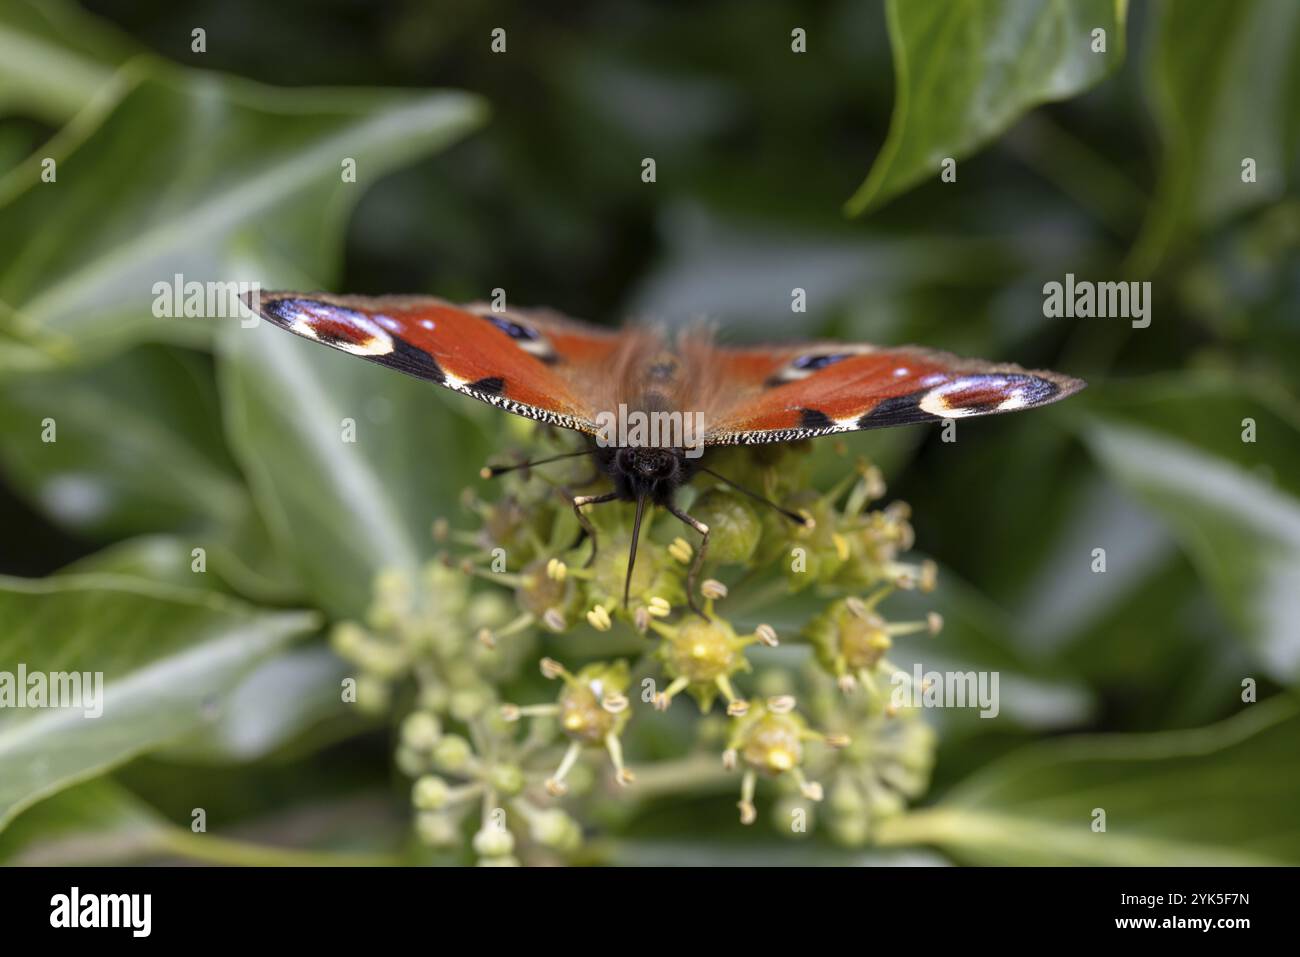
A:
[(539, 364)]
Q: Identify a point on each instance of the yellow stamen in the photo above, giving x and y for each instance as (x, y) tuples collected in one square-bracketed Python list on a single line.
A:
[(599, 618)]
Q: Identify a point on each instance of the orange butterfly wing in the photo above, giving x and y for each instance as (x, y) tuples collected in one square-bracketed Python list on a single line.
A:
[(533, 363), (781, 393)]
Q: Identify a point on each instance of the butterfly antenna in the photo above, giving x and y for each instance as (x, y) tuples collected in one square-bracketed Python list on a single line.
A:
[(792, 516), (492, 471), (631, 556)]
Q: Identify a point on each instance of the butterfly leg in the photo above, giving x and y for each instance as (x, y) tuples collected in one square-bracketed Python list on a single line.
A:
[(579, 502), (692, 577)]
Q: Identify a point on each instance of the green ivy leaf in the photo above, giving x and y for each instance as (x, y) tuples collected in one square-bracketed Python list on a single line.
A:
[(964, 72), (1234, 505), (99, 452), (1223, 91), (350, 462), (239, 562), (96, 822), (102, 822), (279, 702), (54, 58), (230, 165), (100, 477), (169, 658), (1224, 795)]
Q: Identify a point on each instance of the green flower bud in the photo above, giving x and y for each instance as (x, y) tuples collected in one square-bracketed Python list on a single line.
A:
[(488, 609), (373, 694), (446, 640), (382, 659), (430, 793), (460, 674), (411, 763), (845, 798), (554, 828), (448, 590), (919, 743), (435, 697), (420, 731), (347, 638), (507, 779), (468, 703), (734, 526), (494, 721), (885, 802), (493, 841), (573, 839), (849, 830), (392, 599), (452, 753), (436, 829)]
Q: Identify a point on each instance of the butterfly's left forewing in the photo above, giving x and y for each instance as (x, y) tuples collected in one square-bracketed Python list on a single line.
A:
[(783, 393), (534, 364)]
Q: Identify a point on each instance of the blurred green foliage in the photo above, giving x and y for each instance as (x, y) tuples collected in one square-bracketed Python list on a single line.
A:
[(522, 171)]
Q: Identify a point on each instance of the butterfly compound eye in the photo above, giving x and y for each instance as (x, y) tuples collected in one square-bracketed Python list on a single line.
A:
[(656, 463), (646, 463)]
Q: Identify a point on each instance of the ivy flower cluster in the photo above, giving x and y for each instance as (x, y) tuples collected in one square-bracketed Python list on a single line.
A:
[(518, 726)]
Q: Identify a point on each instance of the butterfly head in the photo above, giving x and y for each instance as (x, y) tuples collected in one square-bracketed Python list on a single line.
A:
[(647, 472), (644, 474)]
